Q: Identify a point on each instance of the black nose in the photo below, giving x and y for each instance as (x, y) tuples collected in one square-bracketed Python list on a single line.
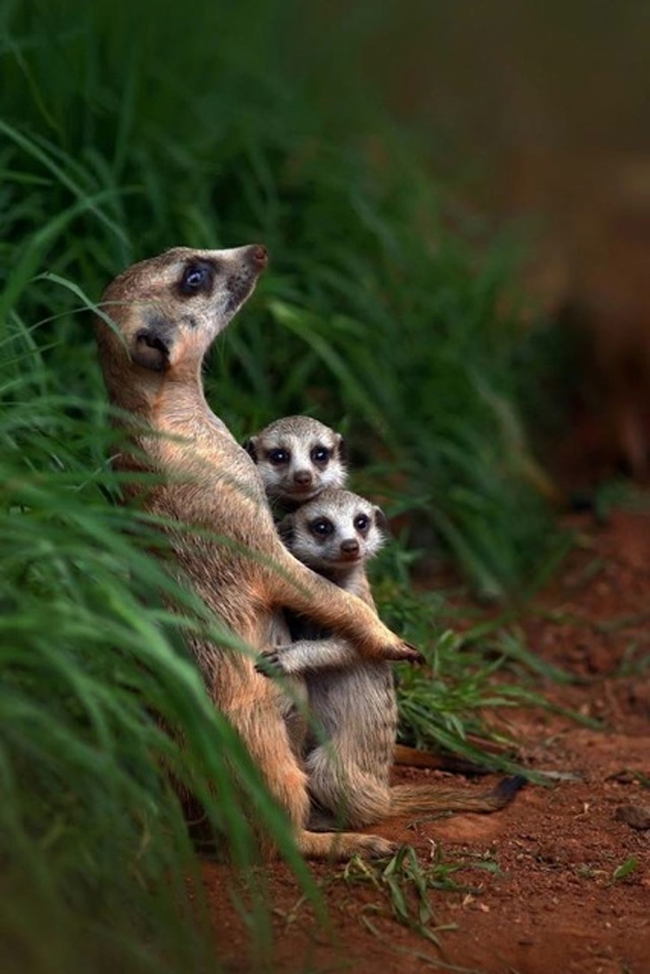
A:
[(350, 546), (303, 477)]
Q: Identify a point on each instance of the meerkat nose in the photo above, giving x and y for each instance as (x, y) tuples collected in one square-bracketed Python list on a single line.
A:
[(259, 255), (350, 546), (302, 477)]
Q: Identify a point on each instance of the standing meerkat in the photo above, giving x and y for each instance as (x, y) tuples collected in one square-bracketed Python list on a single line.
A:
[(166, 313), (353, 703), (298, 457)]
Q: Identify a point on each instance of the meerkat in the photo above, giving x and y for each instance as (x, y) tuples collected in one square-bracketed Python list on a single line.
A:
[(164, 315), (352, 702), (298, 457)]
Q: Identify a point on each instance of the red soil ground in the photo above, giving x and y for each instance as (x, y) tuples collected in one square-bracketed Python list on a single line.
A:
[(556, 903)]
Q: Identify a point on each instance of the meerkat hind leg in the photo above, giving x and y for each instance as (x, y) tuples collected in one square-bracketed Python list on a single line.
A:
[(343, 795), (264, 732), (339, 846)]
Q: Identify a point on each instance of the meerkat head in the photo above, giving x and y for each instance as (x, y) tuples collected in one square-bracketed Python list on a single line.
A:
[(335, 532), (167, 311), (297, 458)]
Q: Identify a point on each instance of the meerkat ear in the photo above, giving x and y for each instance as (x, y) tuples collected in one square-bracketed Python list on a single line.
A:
[(341, 448), (286, 528), (251, 447), (381, 520), (152, 346)]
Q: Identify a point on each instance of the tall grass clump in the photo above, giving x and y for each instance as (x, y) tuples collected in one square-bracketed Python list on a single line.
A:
[(126, 129), (98, 704)]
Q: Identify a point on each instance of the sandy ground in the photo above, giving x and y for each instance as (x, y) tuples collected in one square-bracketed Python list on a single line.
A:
[(561, 881)]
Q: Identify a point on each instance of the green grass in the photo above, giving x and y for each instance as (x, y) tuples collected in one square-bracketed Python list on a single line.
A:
[(92, 838), (126, 129), (405, 883), (374, 315)]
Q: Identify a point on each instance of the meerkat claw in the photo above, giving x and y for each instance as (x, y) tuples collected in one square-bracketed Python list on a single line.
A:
[(405, 654)]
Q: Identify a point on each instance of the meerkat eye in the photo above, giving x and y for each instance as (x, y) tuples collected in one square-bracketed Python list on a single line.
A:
[(320, 454), (197, 276), (278, 457), (362, 522), (321, 527)]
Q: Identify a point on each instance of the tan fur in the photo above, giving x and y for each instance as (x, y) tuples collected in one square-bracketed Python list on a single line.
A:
[(353, 703), (152, 368)]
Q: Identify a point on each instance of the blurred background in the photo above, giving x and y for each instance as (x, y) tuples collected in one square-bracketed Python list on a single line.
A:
[(544, 109), (537, 114), (456, 200), (489, 163)]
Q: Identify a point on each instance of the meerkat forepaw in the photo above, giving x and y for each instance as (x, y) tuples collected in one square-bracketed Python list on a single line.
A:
[(269, 663), (404, 653)]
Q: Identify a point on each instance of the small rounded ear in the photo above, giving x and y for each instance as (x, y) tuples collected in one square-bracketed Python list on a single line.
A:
[(151, 349), (381, 520), (341, 448), (286, 529), (251, 447)]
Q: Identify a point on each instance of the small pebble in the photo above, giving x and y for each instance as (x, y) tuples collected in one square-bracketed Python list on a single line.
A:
[(636, 816)]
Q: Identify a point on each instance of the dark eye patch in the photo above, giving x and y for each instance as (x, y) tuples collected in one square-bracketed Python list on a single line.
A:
[(320, 454), (321, 527), (198, 278), (278, 457), (362, 522)]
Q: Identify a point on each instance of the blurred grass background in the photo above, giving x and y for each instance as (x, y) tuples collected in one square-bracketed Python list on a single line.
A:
[(390, 311)]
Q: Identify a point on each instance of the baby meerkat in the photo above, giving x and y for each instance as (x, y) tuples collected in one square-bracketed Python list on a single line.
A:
[(353, 702), (297, 457)]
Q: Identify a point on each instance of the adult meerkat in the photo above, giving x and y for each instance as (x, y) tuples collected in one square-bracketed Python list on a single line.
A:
[(298, 457), (166, 313), (353, 702)]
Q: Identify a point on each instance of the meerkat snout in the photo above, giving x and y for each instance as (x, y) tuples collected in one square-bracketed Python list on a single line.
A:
[(303, 478), (260, 255), (350, 546)]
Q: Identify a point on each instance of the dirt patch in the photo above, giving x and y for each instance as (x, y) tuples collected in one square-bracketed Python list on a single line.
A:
[(560, 880)]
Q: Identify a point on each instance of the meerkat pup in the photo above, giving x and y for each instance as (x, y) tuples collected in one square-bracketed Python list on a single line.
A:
[(164, 315), (298, 457), (353, 709), (353, 703)]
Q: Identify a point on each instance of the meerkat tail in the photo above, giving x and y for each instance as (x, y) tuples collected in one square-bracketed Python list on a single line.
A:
[(427, 798), (413, 757)]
